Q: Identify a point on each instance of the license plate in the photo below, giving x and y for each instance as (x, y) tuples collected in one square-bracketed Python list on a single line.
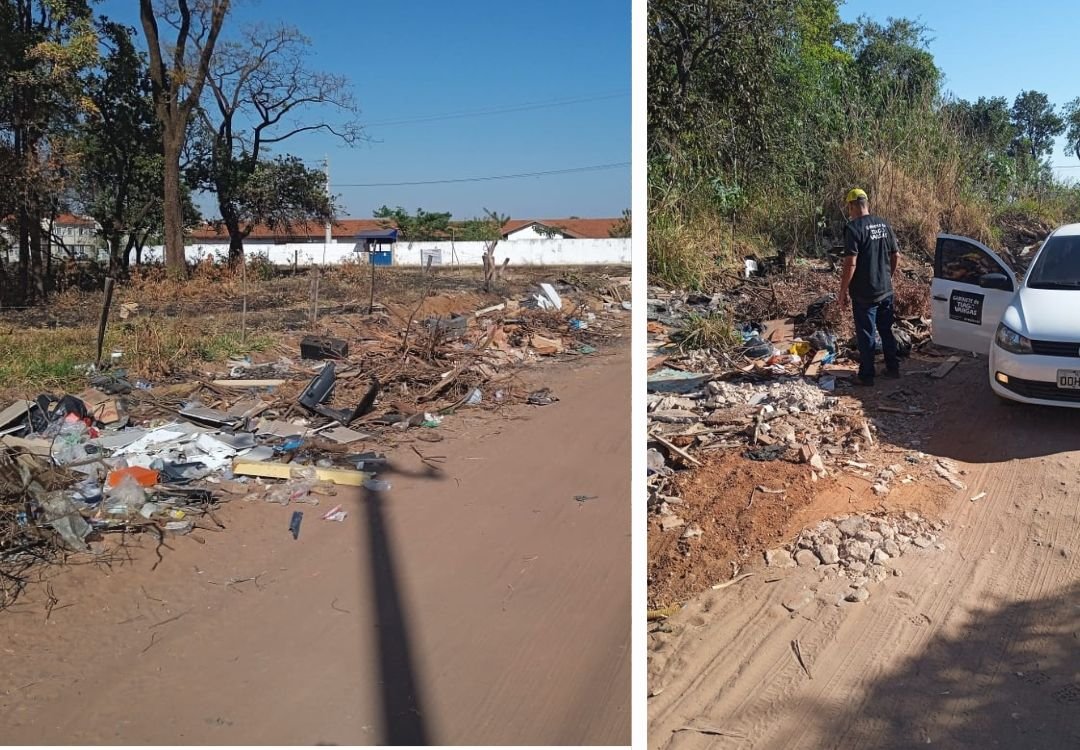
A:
[(1068, 379)]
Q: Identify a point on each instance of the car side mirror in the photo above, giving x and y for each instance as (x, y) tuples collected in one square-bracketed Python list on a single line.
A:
[(996, 281)]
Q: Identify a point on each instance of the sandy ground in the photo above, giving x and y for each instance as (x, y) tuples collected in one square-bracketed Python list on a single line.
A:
[(974, 646), (483, 605)]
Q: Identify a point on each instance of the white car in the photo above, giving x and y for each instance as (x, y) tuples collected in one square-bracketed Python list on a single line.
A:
[(1030, 329)]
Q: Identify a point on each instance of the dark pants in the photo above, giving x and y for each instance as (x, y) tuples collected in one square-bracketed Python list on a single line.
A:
[(868, 316)]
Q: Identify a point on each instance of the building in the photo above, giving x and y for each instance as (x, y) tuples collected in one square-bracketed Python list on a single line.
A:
[(565, 229), (70, 236), (77, 237)]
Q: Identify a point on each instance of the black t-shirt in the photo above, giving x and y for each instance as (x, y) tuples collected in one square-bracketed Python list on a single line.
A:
[(870, 240)]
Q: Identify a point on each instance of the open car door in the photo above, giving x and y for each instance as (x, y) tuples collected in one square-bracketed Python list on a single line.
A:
[(971, 289)]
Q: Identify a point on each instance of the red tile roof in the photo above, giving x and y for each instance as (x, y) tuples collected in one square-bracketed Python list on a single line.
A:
[(342, 229), (71, 220), (574, 228)]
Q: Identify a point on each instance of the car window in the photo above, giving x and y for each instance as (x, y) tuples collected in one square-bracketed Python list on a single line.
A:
[(1058, 264), (963, 262)]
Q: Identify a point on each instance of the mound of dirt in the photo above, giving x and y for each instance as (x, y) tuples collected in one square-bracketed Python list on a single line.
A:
[(716, 498)]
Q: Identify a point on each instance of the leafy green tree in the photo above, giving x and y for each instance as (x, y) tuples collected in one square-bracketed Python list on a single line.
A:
[(282, 193), (895, 55), (987, 122), (1036, 123), (423, 226), (1072, 123), (121, 170), (45, 46)]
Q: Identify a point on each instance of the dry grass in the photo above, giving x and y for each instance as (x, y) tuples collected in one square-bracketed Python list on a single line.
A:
[(34, 360), (714, 331)]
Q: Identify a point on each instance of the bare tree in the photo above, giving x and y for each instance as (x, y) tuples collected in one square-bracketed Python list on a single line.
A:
[(177, 88), (260, 92), (492, 271)]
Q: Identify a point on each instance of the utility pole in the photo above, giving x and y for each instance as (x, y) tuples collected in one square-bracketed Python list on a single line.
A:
[(329, 235)]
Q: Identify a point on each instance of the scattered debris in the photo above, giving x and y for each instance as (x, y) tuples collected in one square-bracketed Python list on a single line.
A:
[(127, 456)]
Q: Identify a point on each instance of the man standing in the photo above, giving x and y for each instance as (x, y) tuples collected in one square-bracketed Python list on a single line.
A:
[(870, 256)]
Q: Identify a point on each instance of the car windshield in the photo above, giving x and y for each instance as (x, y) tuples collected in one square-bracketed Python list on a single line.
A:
[(1058, 265)]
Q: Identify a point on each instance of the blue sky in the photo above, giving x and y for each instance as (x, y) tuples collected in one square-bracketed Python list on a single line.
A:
[(420, 58), (997, 49)]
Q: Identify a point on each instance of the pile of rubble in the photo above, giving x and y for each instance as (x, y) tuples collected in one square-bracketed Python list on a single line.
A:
[(859, 548), (128, 456), (775, 396)]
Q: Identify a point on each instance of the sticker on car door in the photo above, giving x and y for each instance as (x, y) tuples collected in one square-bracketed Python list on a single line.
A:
[(966, 307)]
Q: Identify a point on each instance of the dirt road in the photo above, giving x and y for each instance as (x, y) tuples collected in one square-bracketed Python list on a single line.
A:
[(483, 605), (973, 646)]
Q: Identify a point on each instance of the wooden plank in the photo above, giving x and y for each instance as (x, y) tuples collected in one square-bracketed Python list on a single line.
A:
[(347, 477), (814, 368), (655, 362), (945, 367), (247, 383), (779, 331), (672, 447), (14, 412), (840, 371)]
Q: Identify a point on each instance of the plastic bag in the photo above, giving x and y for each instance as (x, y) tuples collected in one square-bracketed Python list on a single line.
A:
[(296, 489), (126, 498)]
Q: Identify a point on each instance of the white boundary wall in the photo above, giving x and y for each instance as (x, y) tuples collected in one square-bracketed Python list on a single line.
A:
[(543, 252)]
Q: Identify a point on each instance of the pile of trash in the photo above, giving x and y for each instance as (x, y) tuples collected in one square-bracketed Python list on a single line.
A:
[(126, 456), (775, 396), (861, 549)]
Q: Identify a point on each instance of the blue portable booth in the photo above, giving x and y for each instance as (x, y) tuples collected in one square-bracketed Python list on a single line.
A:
[(379, 245)]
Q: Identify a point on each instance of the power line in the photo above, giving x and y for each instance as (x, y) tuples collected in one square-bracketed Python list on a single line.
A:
[(595, 168), (499, 110)]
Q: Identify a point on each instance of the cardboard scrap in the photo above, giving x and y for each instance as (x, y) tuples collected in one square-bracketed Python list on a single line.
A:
[(545, 346), (280, 428), (344, 435), (101, 406)]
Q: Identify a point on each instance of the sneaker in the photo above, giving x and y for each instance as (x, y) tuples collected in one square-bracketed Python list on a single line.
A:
[(867, 382), (894, 374)]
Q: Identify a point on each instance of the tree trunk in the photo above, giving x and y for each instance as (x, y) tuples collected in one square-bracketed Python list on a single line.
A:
[(117, 259), (127, 253), (37, 266), (175, 259), (24, 254), (236, 238)]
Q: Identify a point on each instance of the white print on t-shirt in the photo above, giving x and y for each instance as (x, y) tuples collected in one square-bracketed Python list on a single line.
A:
[(878, 231)]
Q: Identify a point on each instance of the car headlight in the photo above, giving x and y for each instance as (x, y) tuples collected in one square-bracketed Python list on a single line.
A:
[(1011, 341)]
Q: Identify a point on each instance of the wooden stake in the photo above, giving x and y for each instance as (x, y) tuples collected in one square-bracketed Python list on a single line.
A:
[(315, 297), (243, 310), (672, 447), (371, 302), (109, 282)]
